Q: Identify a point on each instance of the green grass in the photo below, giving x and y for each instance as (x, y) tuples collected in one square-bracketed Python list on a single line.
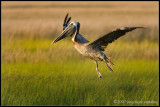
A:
[(34, 72), (76, 83)]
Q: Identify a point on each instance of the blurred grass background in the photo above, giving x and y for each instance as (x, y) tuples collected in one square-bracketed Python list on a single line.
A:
[(34, 72)]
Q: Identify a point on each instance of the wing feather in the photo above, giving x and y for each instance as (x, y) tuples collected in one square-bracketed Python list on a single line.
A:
[(66, 21), (102, 42)]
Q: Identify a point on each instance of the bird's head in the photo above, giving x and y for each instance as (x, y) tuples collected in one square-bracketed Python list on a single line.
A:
[(70, 30)]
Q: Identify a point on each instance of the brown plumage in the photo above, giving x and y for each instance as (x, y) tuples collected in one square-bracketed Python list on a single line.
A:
[(103, 41), (92, 50)]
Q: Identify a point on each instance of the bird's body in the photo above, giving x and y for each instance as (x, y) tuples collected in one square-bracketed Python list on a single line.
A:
[(92, 50), (82, 46)]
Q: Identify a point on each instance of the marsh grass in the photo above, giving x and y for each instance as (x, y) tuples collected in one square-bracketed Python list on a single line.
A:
[(63, 84)]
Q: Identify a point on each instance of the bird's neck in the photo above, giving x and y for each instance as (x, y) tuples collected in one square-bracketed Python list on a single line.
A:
[(79, 39), (74, 38)]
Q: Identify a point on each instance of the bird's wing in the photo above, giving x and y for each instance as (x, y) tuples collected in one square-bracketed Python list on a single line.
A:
[(66, 21), (103, 41)]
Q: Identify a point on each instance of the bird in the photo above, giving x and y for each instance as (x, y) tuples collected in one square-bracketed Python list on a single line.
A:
[(93, 50)]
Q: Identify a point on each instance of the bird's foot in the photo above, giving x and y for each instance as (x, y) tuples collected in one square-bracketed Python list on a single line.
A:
[(110, 70), (100, 76)]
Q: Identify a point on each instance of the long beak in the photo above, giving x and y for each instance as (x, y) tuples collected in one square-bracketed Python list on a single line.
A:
[(65, 33)]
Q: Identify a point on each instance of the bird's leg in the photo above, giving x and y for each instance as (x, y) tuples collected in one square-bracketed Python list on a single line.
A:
[(108, 65), (107, 61), (98, 72)]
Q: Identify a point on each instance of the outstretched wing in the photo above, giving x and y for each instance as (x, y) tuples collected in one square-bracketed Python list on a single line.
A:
[(102, 42), (66, 21)]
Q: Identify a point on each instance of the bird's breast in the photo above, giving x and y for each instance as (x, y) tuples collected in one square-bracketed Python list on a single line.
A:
[(87, 51), (81, 45)]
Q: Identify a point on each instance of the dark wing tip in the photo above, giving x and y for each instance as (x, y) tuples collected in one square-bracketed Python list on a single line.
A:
[(66, 18), (141, 27), (123, 28), (137, 27), (127, 28)]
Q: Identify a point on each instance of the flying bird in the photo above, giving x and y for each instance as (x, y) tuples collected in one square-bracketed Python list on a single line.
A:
[(93, 50)]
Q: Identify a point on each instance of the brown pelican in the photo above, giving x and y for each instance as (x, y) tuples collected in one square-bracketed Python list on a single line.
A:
[(92, 50)]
